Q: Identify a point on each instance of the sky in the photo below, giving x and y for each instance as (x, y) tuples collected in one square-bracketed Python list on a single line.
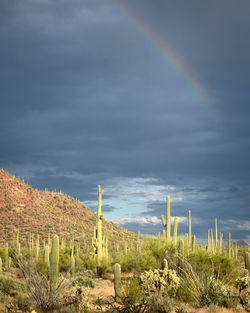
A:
[(147, 98)]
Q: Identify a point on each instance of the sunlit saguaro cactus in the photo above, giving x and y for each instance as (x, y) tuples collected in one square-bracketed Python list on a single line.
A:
[(54, 263), (216, 233), (229, 246), (99, 226), (167, 223), (117, 281), (193, 242), (189, 229), (221, 242), (212, 241), (72, 264), (6, 255), (17, 239), (165, 264), (46, 256), (62, 244), (181, 249), (37, 248), (236, 251), (247, 261), (125, 248), (208, 241), (175, 231)]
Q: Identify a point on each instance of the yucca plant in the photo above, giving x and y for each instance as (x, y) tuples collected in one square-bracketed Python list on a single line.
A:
[(204, 288)]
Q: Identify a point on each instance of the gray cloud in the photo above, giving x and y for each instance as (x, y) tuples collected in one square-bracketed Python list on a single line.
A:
[(86, 97)]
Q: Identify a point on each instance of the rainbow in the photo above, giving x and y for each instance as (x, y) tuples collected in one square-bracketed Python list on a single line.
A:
[(164, 49)]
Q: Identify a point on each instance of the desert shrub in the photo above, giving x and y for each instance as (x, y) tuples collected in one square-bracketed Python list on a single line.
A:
[(20, 303), (133, 290), (159, 304), (84, 282), (222, 266), (10, 287), (3, 297), (134, 261)]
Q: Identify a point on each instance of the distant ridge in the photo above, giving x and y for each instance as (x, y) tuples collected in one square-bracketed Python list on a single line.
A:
[(241, 243), (40, 211)]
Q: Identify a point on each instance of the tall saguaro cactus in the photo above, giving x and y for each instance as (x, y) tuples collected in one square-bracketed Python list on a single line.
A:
[(54, 263), (175, 231), (229, 247), (37, 248), (167, 223), (189, 229), (208, 241), (216, 233), (221, 242), (99, 226)]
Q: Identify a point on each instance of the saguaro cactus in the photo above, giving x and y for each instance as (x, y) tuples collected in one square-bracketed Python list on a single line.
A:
[(1, 267), (17, 239), (99, 226), (46, 256), (247, 261), (72, 263), (216, 233), (193, 243), (208, 241), (6, 255), (168, 223), (221, 242), (165, 264), (229, 247), (212, 240), (54, 263), (117, 281), (175, 231), (189, 229), (37, 248)]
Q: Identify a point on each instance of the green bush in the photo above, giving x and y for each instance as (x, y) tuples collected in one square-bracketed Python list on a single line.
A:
[(222, 266), (160, 304), (10, 287), (215, 292), (133, 290), (84, 282)]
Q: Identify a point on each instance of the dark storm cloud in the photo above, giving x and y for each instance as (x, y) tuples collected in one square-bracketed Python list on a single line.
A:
[(86, 97)]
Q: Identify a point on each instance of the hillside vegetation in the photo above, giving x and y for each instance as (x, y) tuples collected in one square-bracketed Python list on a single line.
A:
[(40, 212)]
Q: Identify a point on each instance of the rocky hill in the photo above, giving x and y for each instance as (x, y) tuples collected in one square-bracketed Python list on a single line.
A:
[(40, 212)]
